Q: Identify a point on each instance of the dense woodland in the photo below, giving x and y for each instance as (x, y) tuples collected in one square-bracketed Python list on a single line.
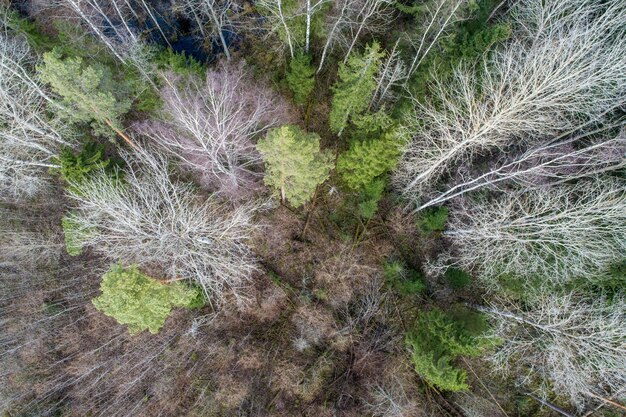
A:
[(313, 208)]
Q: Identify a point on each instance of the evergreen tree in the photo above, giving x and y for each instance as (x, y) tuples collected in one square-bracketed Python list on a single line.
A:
[(295, 165), (142, 302), (366, 160), (89, 92), (353, 92), (437, 340), (301, 78)]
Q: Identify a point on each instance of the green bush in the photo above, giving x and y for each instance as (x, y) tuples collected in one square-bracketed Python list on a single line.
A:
[(433, 219), (435, 342), (75, 168), (71, 234), (369, 197), (457, 278), (142, 302), (403, 279), (180, 63)]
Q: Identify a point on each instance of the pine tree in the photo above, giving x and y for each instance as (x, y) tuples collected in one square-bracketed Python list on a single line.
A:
[(295, 165), (301, 78), (353, 92), (142, 302), (89, 93)]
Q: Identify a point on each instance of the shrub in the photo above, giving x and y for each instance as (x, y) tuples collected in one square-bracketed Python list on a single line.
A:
[(433, 219), (369, 197), (180, 63), (405, 280), (75, 168), (457, 278), (71, 234), (142, 302), (435, 342)]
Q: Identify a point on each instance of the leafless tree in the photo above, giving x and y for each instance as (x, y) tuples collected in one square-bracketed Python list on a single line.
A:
[(574, 344), (558, 233), (350, 19), (372, 16), (210, 14), (210, 126), (108, 21), (150, 220), (551, 162), (559, 71), (30, 137), (440, 16), (392, 72)]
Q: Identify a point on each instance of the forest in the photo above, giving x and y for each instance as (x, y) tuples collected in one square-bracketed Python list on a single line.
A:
[(324, 208)]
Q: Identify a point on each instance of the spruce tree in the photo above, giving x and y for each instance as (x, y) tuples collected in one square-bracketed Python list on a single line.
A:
[(301, 78), (353, 92), (295, 165)]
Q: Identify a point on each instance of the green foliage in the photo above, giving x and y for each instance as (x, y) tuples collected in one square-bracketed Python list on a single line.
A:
[(369, 197), (141, 302), (367, 160), (433, 219), (75, 168), (301, 78), (89, 92), (457, 277), (403, 279), (295, 165), (28, 29), (71, 234), (353, 91), (180, 63), (435, 342)]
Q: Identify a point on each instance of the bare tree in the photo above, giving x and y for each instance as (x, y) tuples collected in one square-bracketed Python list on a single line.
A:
[(350, 19), (440, 16), (392, 72), (551, 162), (279, 20), (150, 220), (109, 21), (30, 137), (559, 233), (210, 14), (573, 344), (210, 126), (372, 16), (560, 71)]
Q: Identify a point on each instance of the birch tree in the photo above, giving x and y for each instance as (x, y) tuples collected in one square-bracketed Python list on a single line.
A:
[(211, 17), (210, 127), (559, 233), (150, 220), (349, 20), (563, 68), (575, 345), (551, 162), (439, 17), (109, 21), (30, 137)]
